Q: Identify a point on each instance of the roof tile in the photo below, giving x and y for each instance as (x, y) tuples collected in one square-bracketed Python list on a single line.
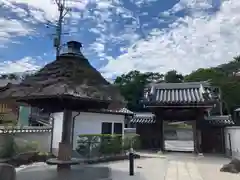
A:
[(196, 92)]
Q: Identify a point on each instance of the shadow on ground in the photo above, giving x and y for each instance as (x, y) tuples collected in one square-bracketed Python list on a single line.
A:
[(76, 173)]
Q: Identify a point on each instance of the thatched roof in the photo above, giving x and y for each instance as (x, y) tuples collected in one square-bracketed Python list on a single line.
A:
[(71, 75)]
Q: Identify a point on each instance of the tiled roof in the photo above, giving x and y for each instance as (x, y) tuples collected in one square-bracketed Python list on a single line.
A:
[(220, 120), (178, 93), (143, 118), (237, 110), (119, 111), (126, 111)]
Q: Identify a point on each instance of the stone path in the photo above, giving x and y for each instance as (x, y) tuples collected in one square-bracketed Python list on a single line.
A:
[(178, 167), (178, 170), (151, 168)]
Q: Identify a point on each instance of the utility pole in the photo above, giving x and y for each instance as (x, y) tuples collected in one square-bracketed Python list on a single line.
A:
[(62, 13)]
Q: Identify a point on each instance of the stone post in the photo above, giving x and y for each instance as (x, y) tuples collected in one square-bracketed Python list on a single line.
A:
[(7, 172)]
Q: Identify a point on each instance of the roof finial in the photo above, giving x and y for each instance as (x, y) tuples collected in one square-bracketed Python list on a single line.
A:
[(74, 47)]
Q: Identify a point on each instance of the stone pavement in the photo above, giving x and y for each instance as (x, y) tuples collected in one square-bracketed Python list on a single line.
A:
[(171, 166), (174, 167)]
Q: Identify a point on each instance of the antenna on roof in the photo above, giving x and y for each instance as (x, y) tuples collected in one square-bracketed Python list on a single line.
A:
[(63, 10)]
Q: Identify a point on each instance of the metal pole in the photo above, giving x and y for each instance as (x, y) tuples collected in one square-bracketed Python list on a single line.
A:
[(59, 29), (57, 40), (131, 162)]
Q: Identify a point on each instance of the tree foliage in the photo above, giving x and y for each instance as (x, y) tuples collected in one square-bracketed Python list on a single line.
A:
[(10, 76), (173, 77), (225, 76), (132, 84)]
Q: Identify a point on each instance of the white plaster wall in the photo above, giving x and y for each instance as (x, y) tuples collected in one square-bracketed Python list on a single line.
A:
[(234, 133), (91, 123), (57, 131)]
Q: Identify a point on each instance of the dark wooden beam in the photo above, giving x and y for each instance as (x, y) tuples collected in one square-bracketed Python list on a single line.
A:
[(67, 126), (65, 147), (159, 124)]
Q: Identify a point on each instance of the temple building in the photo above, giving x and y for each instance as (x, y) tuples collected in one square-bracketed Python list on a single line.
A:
[(182, 113), (68, 88)]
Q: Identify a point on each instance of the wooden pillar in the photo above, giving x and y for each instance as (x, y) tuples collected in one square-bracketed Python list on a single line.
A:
[(65, 147), (162, 144), (200, 121), (195, 137), (197, 129), (223, 141), (159, 124)]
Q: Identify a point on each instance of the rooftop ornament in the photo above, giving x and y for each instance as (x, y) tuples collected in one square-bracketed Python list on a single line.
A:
[(67, 84)]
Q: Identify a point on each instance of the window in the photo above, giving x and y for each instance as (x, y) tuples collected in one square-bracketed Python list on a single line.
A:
[(3, 108), (118, 128), (106, 128)]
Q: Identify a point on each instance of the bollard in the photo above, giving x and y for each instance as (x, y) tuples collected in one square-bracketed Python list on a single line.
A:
[(131, 162)]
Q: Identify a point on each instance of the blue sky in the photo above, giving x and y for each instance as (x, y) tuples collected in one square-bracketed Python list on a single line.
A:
[(121, 35)]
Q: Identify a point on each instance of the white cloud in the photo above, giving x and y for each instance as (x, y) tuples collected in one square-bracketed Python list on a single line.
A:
[(197, 40), (22, 65), (12, 28), (97, 47), (36, 12), (44, 9)]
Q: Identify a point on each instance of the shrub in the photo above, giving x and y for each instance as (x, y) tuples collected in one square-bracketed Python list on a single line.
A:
[(116, 144), (91, 145), (9, 148), (131, 141), (88, 144), (28, 146), (110, 144)]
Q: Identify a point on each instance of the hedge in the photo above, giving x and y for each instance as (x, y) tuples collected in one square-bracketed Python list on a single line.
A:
[(97, 145)]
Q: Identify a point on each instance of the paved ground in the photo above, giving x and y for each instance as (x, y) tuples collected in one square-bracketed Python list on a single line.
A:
[(46, 172), (174, 167)]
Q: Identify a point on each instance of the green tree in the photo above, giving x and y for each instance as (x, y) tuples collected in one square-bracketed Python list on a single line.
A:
[(223, 77), (12, 76), (132, 84), (173, 77), (211, 74), (4, 76)]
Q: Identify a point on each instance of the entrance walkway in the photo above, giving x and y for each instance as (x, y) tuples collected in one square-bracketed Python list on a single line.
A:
[(174, 167)]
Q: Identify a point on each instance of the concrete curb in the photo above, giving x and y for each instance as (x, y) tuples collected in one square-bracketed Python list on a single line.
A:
[(20, 168), (155, 155), (160, 157)]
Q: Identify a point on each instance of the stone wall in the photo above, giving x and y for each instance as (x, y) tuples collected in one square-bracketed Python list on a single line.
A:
[(41, 135)]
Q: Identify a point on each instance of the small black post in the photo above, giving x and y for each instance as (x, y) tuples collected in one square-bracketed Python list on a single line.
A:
[(131, 162)]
